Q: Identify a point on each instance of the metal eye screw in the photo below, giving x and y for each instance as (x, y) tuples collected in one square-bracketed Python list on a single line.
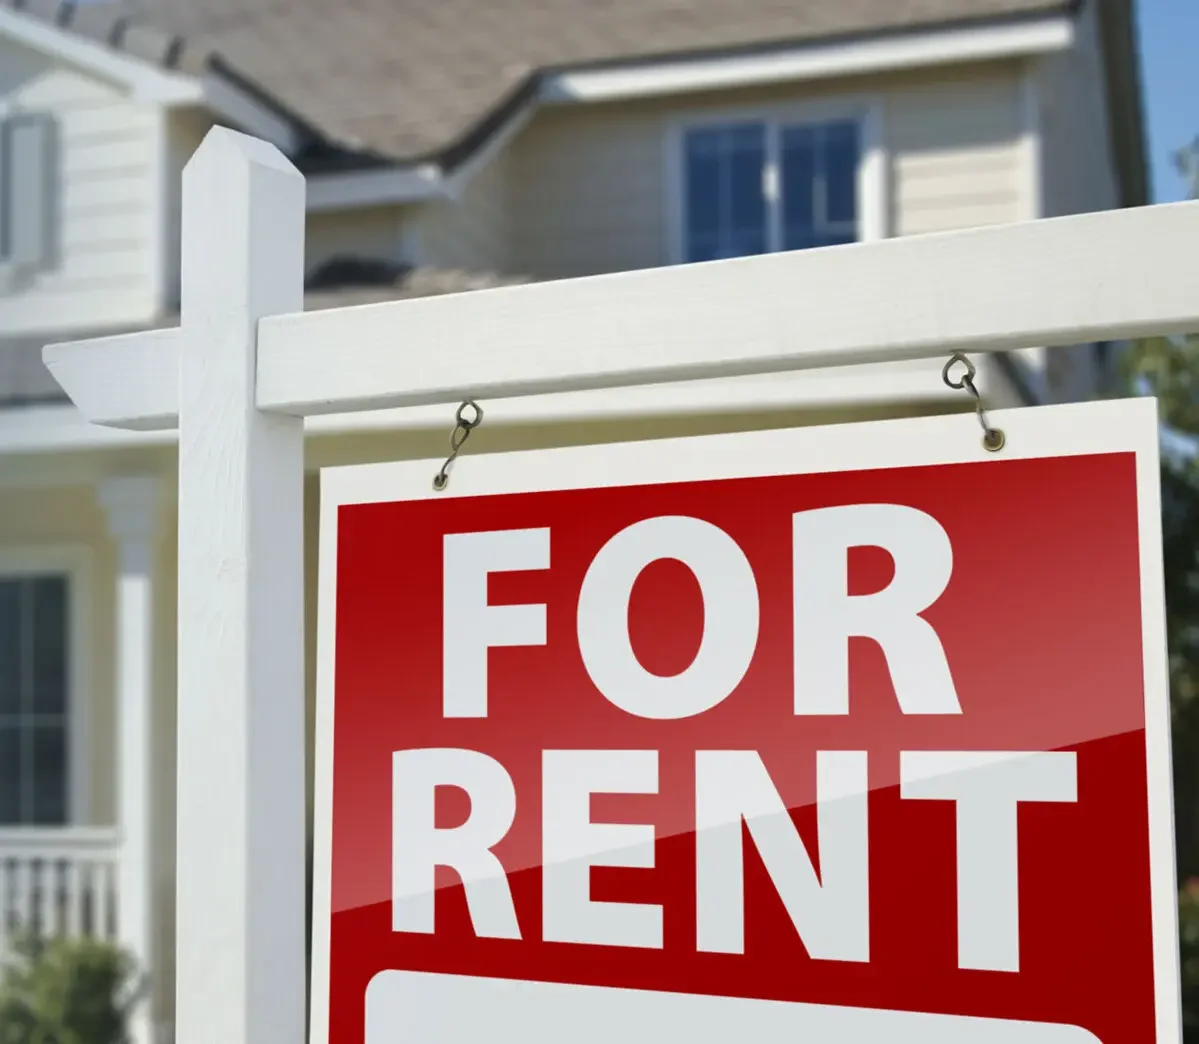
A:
[(993, 438)]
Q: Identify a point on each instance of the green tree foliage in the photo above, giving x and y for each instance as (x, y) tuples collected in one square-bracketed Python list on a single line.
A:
[(66, 992)]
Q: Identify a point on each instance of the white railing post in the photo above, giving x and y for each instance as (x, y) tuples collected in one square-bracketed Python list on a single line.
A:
[(240, 976)]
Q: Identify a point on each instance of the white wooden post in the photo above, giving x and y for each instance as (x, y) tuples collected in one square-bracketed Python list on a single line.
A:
[(241, 818), (131, 504)]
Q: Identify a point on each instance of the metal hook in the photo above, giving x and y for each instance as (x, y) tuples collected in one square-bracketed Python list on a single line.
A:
[(993, 438), (463, 426)]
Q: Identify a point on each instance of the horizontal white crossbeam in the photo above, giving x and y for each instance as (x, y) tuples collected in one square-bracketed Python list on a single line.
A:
[(1072, 280)]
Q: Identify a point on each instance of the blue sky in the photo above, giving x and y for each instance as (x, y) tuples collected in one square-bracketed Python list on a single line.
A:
[(1169, 31)]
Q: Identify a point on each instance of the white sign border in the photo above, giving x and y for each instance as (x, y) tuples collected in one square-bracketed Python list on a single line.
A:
[(1128, 425)]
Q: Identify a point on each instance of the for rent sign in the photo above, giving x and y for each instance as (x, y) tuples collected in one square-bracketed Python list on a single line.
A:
[(847, 734)]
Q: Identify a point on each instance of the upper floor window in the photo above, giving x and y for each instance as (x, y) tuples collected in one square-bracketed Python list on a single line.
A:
[(28, 147), (33, 699), (757, 186)]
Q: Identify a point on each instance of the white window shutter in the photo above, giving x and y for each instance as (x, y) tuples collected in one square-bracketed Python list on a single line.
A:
[(5, 193), (30, 163)]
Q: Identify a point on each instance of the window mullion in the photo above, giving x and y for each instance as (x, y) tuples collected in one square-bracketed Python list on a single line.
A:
[(772, 178)]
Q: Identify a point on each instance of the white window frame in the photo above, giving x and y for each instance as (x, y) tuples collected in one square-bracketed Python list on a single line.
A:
[(14, 275), (75, 563), (873, 178)]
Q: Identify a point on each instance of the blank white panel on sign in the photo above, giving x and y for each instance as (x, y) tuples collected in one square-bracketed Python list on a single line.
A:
[(427, 1008)]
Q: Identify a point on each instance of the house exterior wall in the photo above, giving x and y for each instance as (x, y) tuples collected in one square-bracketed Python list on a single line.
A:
[(105, 200), (591, 187), (957, 155), (473, 232), (375, 232)]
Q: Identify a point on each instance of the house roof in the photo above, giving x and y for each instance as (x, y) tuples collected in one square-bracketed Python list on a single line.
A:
[(24, 380), (402, 80)]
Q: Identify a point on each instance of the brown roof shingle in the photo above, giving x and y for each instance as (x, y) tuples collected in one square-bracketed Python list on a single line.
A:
[(407, 79)]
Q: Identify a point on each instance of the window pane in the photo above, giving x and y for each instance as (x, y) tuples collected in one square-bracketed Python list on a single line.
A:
[(799, 187), (841, 172), (10, 646), (819, 185), (703, 185), (726, 208), (10, 775), (49, 645), (49, 775), (747, 200)]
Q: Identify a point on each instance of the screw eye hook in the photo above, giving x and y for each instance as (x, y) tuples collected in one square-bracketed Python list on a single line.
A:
[(993, 438), (467, 417)]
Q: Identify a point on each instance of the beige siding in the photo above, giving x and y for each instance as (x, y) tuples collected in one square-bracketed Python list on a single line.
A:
[(958, 158), (589, 191), (374, 232), (591, 187), (103, 266), (471, 232)]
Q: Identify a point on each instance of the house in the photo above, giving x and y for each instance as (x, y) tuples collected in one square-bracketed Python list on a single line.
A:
[(449, 147)]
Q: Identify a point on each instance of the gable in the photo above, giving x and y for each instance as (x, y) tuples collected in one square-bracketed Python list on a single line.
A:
[(103, 65)]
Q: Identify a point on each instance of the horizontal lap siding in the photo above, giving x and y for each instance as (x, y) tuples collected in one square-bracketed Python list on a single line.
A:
[(957, 155), (101, 269), (589, 193)]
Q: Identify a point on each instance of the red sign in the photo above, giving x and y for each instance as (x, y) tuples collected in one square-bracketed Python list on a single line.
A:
[(627, 741)]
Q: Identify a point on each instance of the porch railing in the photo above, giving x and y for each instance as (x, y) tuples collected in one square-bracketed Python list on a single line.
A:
[(58, 881)]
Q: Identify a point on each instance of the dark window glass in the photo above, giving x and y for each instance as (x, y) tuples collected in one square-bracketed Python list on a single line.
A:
[(34, 669), (11, 641), (723, 182), (819, 184), (49, 596), (49, 775)]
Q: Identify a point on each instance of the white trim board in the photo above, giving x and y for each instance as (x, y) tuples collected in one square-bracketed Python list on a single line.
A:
[(246, 111), (1039, 432), (145, 81), (812, 61)]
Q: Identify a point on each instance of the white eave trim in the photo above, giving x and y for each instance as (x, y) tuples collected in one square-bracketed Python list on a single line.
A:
[(149, 83), (249, 114), (412, 184), (145, 81), (813, 61), (372, 187)]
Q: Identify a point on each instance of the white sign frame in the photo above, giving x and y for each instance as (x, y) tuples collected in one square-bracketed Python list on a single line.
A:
[(1059, 431), (247, 372)]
